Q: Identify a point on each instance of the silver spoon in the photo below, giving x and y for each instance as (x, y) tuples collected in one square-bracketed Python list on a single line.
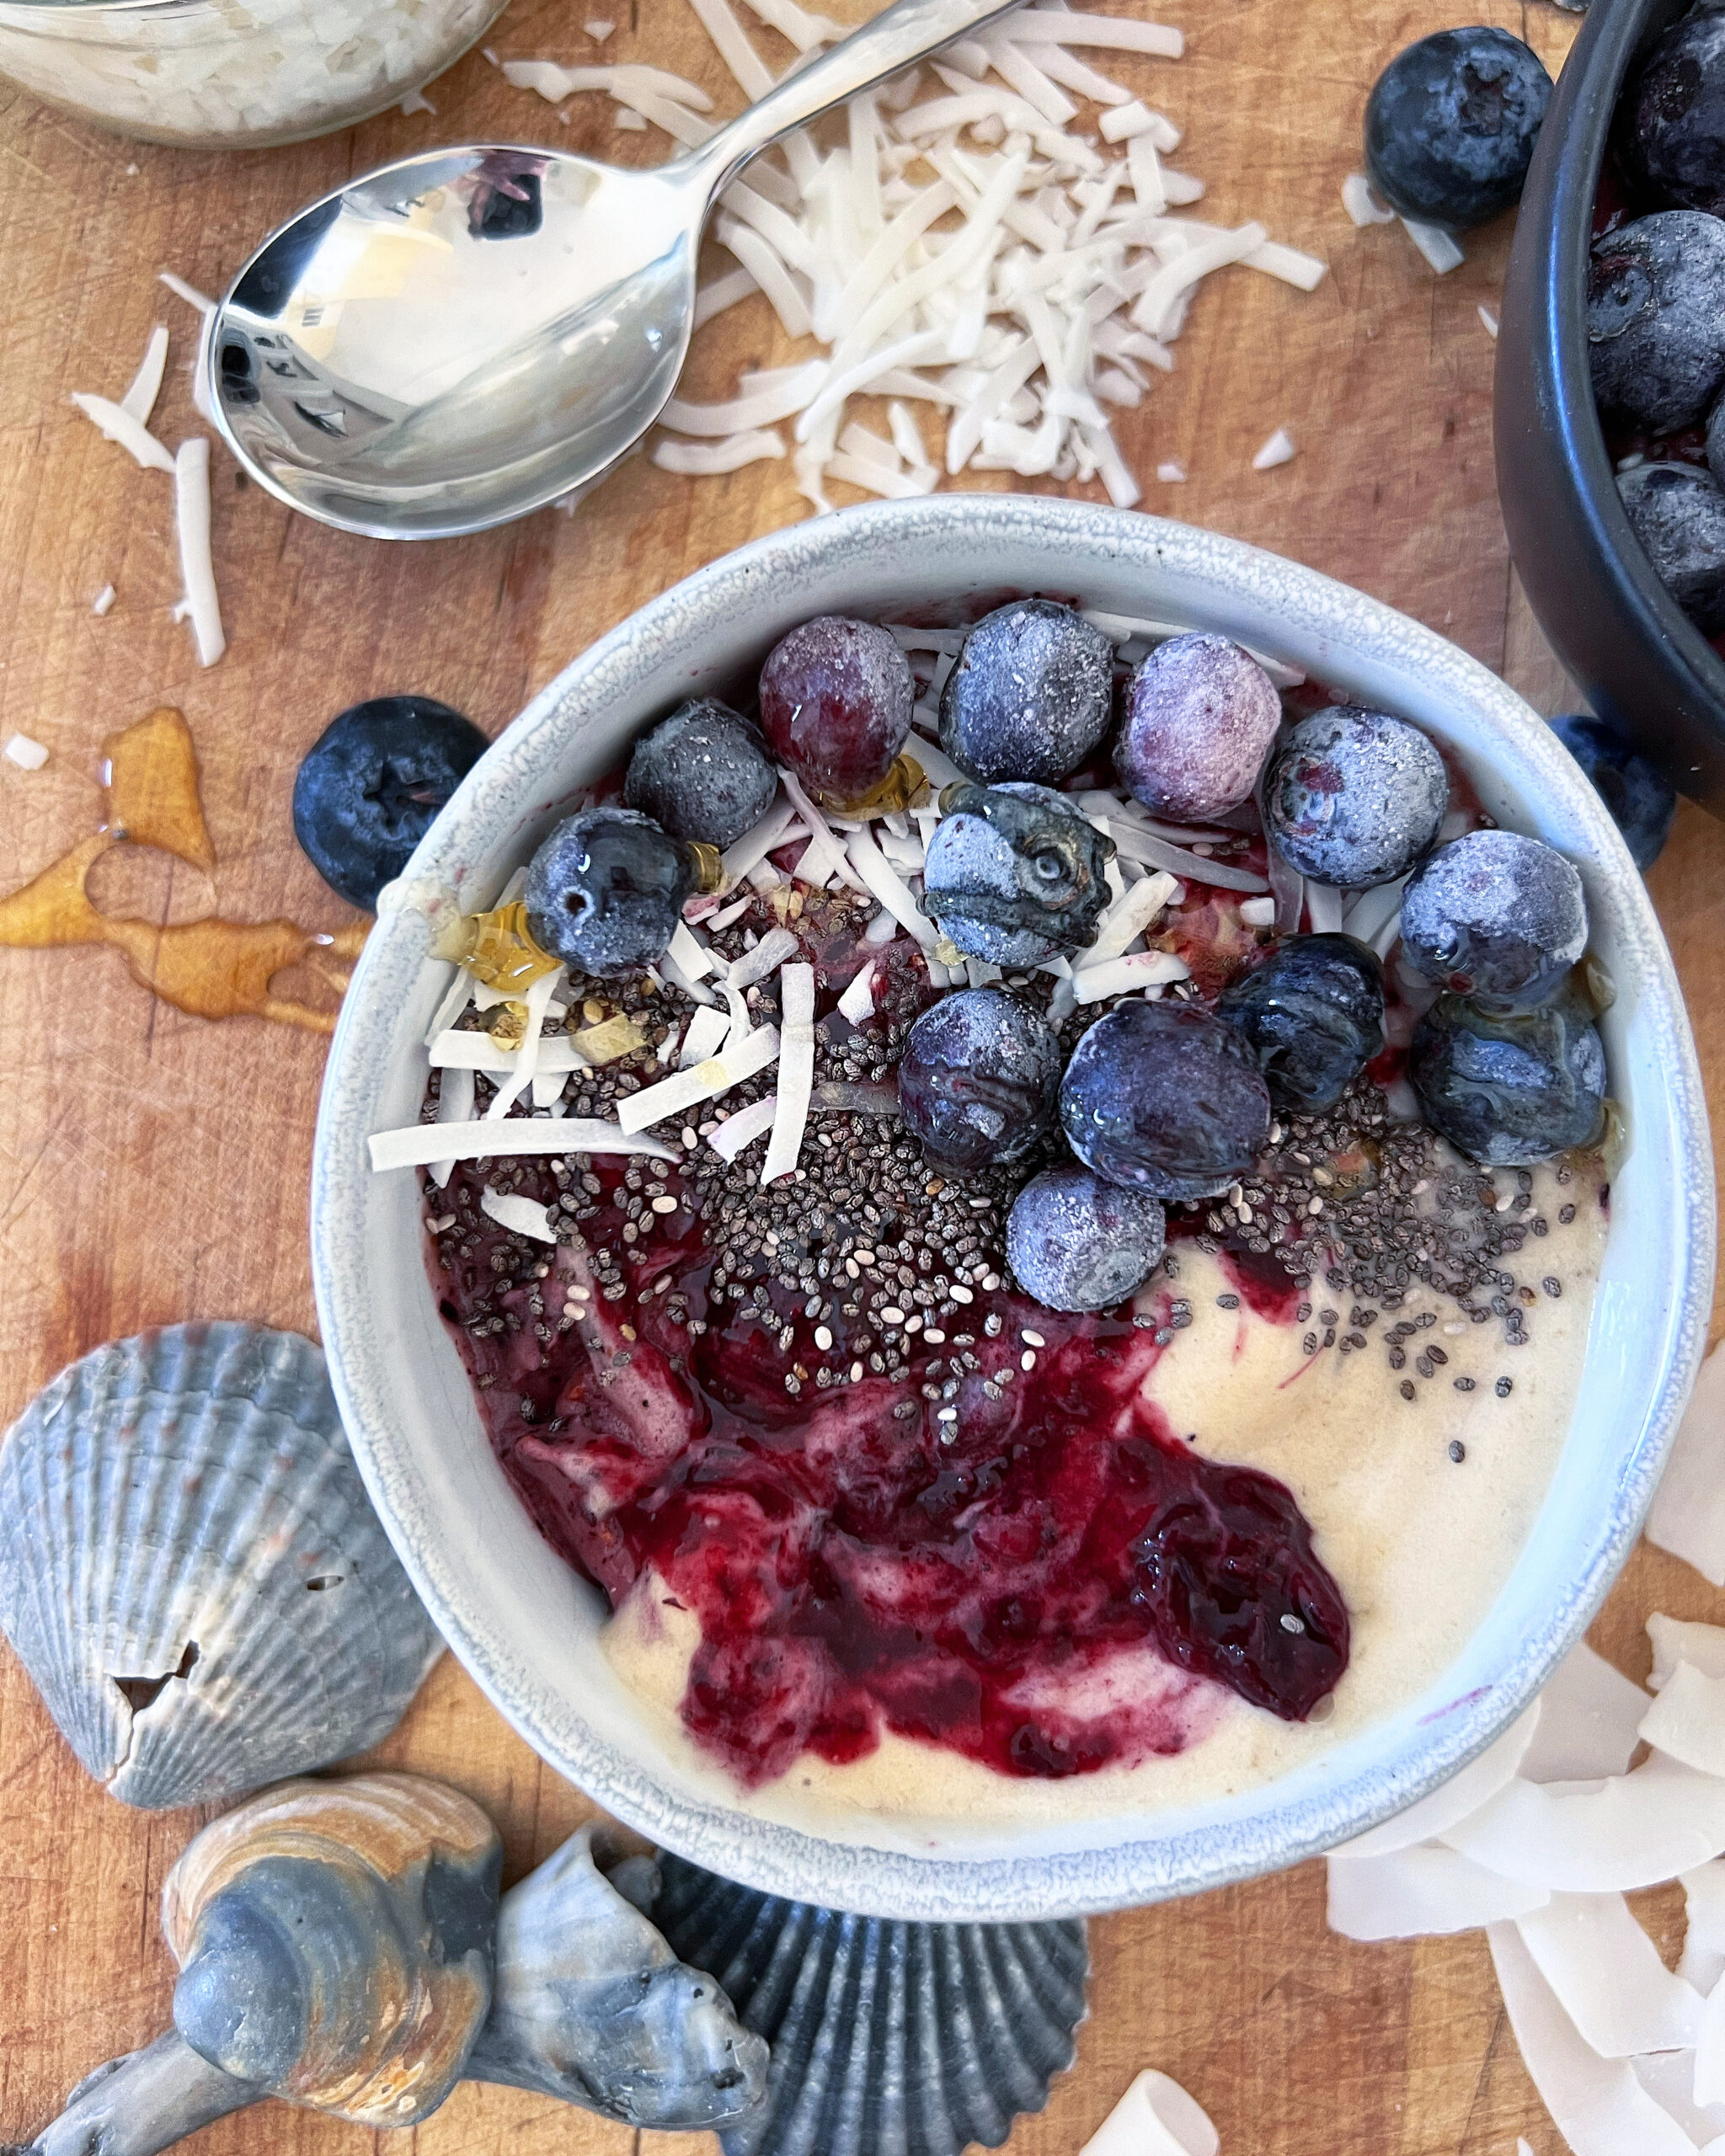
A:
[(462, 337)]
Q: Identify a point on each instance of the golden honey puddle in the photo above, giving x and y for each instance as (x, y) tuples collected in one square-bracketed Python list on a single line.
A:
[(211, 968)]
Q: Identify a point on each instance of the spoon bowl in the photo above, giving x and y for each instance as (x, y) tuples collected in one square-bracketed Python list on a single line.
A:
[(459, 338)]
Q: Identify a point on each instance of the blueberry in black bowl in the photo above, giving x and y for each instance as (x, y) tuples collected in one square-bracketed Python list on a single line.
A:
[(1451, 123), (1077, 1243), (1496, 917), (977, 1079), (1164, 1098), (1355, 797), (1642, 800), (1015, 873), (1656, 319), (1031, 694), (1313, 1015), (1509, 1088), (606, 891), (703, 773), (1670, 130), (372, 784), (1677, 513)]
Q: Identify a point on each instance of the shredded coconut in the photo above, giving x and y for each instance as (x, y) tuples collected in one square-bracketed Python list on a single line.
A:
[(1362, 205), (1436, 245), (1489, 322), (29, 755), (1278, 450), (1155, 2117), (422, 1144), (118, 425), (197, 565), (103, 600)]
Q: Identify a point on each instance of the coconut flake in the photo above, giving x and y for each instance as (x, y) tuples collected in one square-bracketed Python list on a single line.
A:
[(1606, 1974), (526, 1063), (887, 885), (1120, 976), (522, 1216), (1435, 244), (139, 399), (1155, 2117), (118, 425), (740, 1058), (856, 1004), (425, 1145), (1362, 205), (1455, 1800), (796, 1071), (1688, 1515), (28, 755), (774, 949), (1631, 1830), (1701, 1645), (744, 1128), (757, 409), (703, 1036), (197, 565), (730, 454), (1137, 845), (1278, 450), (103, 600), (1419, 1892), (1597, 2104), (1489, 322), (753, 846), (1687, 1721), (1703, 1963), (1127, 917), (1590, 1722), (1119, 33)]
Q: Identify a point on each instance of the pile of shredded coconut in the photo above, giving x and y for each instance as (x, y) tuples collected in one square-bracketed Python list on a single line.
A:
[(963, 243), (1600, 1789)]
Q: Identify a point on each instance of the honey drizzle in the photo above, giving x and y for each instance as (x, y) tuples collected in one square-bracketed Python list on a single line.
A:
[(211, 968)]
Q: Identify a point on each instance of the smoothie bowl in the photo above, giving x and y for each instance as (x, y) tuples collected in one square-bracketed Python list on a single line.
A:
[(1030, 1362)]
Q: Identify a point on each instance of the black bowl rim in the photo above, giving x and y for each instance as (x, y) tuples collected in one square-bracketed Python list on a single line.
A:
[(1549, 260)]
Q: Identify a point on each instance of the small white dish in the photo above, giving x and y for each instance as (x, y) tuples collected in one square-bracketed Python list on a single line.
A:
[(521, 1620)]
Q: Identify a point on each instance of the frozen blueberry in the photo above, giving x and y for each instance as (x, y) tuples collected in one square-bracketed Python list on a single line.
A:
[(372, 785), (1031, 694), (979, 1079), (1077, 1243), (1164, 1098), (606, 891), (1656, 319), (835, 698), (1450, 126), (1015, 873), (1677, 513), (1496, 916), (1642, 800), (1355, 797), (1313, 1016), (1670, 126), (1200, 716), (1510, 1089), (703, 773)]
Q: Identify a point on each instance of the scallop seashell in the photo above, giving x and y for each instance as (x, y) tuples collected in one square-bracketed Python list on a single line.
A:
[(192, 1573), (915, 2039), (335, 1943), (594, 2008)]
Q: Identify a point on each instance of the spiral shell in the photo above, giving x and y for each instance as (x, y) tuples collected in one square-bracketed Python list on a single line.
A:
[(191, 1571), (593, 2007), (335, 1943), (915, 2038)]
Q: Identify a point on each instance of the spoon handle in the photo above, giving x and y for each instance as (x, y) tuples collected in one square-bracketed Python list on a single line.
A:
[(895, 39)]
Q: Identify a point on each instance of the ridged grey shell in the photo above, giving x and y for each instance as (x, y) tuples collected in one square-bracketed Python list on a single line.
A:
[(192, 1488), (887, 2039)]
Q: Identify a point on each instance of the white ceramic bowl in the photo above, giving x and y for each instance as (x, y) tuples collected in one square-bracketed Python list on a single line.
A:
[(521, 1620)]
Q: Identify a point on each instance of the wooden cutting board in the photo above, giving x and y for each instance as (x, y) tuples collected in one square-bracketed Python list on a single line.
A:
[(154, 1166)]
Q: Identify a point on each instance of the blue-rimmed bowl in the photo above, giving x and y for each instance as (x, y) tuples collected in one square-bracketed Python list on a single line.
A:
[(521, 1620)]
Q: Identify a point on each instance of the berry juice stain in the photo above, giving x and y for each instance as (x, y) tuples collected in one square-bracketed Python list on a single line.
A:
[(1027, 1566), (211, 968)]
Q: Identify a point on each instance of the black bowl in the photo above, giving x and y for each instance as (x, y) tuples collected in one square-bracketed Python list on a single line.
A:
[(1635, 653)]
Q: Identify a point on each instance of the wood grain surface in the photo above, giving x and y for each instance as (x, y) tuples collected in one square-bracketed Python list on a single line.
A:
[(155, 1166)]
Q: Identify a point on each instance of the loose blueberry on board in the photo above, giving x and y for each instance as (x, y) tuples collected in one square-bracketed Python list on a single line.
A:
[(1677, 513), (1031, 694), (835, 699), (1669, 132), (1642, 800), (1164, 1098), (606, 891), (703, 773), (979, 1079), (1496, 917), (1313, 1015), (1656, 319), (1200, 716), (1355, 797), (371, 784), (1077, 1243), (1015, 873), (1450, 126), (1509, 1090)]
